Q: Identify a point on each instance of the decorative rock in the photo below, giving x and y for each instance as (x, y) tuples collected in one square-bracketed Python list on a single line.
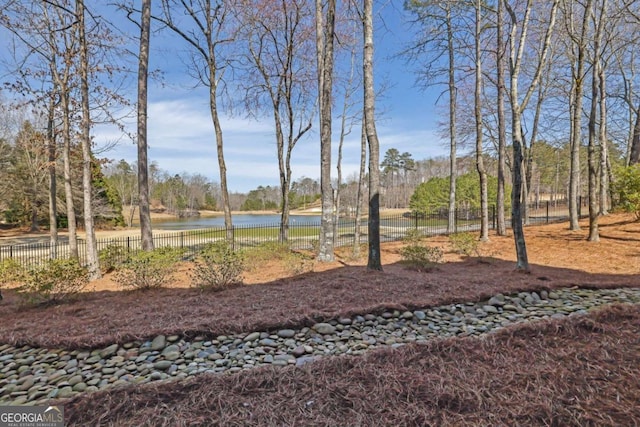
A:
[(109, 351), (93, 359), (30, 375), (299, 351), (75, 380), (162, 365), (79, 387), (252, 336), (286, 333), (158, 343), (27, 384), (65, 392), (324, 328), (172, 355), (268, 342), (497, 300), (170, 349), (489, 309)]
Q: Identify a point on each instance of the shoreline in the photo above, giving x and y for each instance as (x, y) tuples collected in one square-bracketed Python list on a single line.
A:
[(21, 233)]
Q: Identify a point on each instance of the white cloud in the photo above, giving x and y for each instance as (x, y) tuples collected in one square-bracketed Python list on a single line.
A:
[(181, 139)]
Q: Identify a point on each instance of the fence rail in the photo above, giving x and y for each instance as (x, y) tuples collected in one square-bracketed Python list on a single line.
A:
[(301, 236)]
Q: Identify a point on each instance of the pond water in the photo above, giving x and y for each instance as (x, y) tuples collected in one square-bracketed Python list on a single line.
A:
[(243, 220)]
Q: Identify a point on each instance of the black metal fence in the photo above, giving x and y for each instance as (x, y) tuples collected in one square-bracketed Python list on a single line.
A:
[(301, 235)]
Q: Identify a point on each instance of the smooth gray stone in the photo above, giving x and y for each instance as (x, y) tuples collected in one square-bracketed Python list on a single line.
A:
[(158, 343), (324, 328)]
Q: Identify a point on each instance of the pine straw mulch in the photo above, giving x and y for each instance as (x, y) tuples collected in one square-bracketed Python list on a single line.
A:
[(583, 371), (560, 258)]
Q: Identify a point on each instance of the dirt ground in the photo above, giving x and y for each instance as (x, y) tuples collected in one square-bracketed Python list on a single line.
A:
[(551, 245)]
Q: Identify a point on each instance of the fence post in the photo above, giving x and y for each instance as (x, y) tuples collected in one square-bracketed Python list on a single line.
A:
[(547, 212), (181, 239), (128, 244)]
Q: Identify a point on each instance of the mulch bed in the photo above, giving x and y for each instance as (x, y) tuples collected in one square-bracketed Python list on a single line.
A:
[(103, 318), (582, 371)]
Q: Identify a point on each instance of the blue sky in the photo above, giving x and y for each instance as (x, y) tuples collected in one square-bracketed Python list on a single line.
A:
[(180, 131), (181, 135)]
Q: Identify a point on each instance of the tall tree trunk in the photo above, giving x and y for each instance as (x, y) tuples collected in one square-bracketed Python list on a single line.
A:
[(336, 198), (213, 109), (453, 145), (68, 187), (502, 128), (628, 98), (143, 166), (593, 136), (576, 122), (374, 261), (634, 157), (53, 199), (522, 262), (482, 172), (285, 173), (517, 46), (85, 128), (325, 71), (529, 156), (343, 133), (363, 160), (593, 198), (604, 145)]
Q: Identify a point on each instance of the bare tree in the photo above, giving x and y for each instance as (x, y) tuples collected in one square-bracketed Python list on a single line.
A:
[(360, 191), (53, 197), (206, 35), (38, 30), (374, 261), (502, 128), (482, 172), (93, 263), (517, 43), (143, 167), (440, 40), (593, 113), (325, 35), (578, 38), (278, 79), (346, 125)]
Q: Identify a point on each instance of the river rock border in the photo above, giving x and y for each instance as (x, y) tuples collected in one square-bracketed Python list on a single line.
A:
[(33, 375)]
